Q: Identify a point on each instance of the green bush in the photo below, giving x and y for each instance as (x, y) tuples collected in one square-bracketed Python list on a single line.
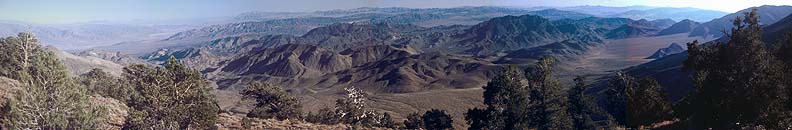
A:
[(169, 97), (49, 98), (437, 120), (271, 102)]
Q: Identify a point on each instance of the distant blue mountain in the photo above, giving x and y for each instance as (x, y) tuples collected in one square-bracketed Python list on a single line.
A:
[(677, 14), (649, 12)]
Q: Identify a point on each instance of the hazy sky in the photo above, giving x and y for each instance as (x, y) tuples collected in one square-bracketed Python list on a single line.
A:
[(69, 11)]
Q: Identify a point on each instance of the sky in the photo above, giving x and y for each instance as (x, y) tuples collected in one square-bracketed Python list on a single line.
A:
[(74, 11)]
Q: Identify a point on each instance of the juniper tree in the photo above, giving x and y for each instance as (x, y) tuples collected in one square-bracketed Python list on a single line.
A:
[(437, 120), (271, 102), (386, 121), (102, 83), (547, 104), (326, 115), (49, 98), (513, 104), (414, 121), (507, 103), (169, 97), (580, 107), (647, 104), (636, 103)]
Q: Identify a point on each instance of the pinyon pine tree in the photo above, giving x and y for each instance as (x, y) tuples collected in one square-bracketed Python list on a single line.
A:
[(49, 98), (169, 97), (271, 102), (513, 104)]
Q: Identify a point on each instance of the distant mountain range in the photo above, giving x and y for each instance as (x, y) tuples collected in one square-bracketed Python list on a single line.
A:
[(84, 36), (767, 16), (649, 12), (677, 14), (102, 34)]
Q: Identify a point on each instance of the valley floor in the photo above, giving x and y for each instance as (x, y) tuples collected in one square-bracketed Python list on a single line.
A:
[(622, 53)]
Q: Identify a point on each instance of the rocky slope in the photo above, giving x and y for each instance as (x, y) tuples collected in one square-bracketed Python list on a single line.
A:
[(516, 32), (564, 50), (116, 57), (82, 64), (638, 28), (392, 68)]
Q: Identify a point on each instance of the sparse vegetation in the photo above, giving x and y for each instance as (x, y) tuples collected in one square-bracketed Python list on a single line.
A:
[(352, 110)]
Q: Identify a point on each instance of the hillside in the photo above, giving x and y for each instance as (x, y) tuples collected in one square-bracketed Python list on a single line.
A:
[(78, 65), (638, 28), (515, 32), (683, 26), (670, 50)]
